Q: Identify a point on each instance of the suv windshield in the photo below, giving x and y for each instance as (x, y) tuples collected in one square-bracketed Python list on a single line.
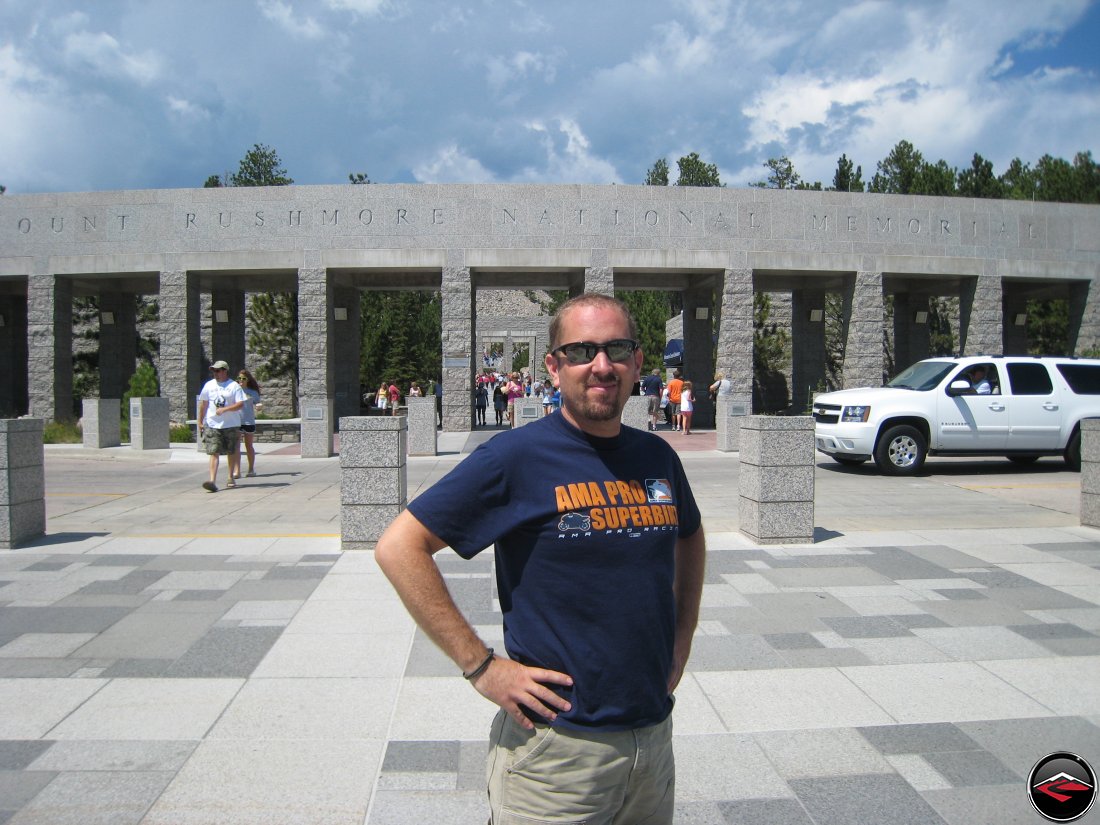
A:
[(922, 376)]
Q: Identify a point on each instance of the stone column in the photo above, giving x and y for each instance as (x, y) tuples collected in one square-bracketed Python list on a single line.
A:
[(1084, 317), (457, 298), (22, 482), (910, 332), (50, 346), (727, 425), (117, 342), (528, 409), (980, 310), (227, 336), (149, 424), (101, 423), (372, 477), (1090, 472), (863, 311), (180, 359), (346, 341), (599, 279), (807, 346), (13, 356), (636, 412), (699, 351), (776, 480), (735, 335), (315, 294), (1015, 335), (422, 437)]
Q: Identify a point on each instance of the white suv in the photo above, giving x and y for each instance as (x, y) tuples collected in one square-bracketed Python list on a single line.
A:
[(1017, 406)]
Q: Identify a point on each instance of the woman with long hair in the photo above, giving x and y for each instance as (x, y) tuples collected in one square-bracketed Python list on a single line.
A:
[(248, 419)]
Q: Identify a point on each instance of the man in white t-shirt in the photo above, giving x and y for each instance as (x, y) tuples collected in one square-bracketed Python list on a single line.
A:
[(220, 404)]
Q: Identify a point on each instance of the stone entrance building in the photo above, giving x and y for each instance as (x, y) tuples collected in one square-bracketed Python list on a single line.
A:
[(716, 246)]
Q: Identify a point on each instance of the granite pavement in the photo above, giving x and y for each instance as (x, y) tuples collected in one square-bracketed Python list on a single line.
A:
[(174, 657)]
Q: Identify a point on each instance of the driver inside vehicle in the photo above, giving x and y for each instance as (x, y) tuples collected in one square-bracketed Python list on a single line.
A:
[(979, 381)]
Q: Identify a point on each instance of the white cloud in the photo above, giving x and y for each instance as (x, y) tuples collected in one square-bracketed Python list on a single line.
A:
[(567, 157), (283, 15), (504, 72), (451, 165), (186, 110), (363, 8), (103, 53)]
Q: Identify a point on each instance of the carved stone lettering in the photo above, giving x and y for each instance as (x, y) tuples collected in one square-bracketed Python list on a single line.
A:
[(914, 226), (686, 216), (225, 219), (57, 225), (294, 218), (509, 216), (259, 218), (580, 217), (437, 217), (89, 223), (366, 217), (851, 223), (545, 218), (881, 227), (651, 217), (945, 227), (24, 226), (189, 221), (402, 216), (335, 217), (824, 226)]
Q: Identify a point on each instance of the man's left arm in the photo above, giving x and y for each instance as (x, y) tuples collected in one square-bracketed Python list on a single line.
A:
[(237, 404), (691, 553)]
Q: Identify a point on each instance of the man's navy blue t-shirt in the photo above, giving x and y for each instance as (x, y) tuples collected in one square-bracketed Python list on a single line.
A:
[(585, 530), (651, 385)]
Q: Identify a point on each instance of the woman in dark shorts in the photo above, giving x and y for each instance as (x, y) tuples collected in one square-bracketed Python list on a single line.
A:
[(248, 419)]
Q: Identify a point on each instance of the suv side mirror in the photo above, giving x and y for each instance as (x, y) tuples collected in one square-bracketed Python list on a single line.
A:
[(959, 387)]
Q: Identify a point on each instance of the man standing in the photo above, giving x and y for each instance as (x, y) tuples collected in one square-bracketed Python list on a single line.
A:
[(651, 389), (220, 404), (675, 388), (586, 688)]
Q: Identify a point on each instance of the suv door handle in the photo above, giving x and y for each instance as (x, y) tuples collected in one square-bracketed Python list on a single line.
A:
[(1052, 407), (997, 406)]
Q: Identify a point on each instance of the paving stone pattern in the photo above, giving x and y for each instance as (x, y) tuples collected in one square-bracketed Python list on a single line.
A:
[(878, 676)]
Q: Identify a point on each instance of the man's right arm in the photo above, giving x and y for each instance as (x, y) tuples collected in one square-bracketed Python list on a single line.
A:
[(405, 553), (203, 404)]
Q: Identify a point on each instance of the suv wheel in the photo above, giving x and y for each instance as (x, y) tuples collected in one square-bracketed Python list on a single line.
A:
[(1073, 451), (901, 451)]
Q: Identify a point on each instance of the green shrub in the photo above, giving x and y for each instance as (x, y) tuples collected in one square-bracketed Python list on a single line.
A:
[(181, 434), (61, 432)]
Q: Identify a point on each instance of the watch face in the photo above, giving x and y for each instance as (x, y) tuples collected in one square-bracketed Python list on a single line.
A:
[(1062, 787)]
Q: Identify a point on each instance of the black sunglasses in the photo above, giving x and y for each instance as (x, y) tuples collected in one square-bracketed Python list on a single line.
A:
[(582, 352)]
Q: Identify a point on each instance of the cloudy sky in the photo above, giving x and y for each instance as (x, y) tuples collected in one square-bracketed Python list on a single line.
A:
[(135, 94)]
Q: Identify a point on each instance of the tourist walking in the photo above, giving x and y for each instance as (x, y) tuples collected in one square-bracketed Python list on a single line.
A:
[(251, 406), (219, 423), (687, 407)]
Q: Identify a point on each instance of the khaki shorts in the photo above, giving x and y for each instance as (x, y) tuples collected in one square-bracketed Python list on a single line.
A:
[(221, 441), (569, 777)]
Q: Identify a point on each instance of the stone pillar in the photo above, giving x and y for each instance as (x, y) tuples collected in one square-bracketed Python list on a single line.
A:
[(1015, 335), (727, 425), (600, 279), (776, 481), (528, 409), (636, 412), (735, 335), (699, 351), (863, 311), (422, 437), (372, 477), (13, 356), (1090, 472), (180, 360), (117, 342), (50, 346), (911, 343), (457, 298), (807, 347), (149, 423), (980, 322), (227, 323), (1084, 317), (346, 341), (102, 423), (315, 361), (22, 482)]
